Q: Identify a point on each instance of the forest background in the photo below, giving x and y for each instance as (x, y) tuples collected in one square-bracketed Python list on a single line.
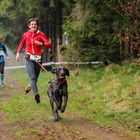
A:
[(80, 30), (96, 30)]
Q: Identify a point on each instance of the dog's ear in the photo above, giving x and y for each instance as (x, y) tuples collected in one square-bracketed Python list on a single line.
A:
[(53, 70), (66, 71)]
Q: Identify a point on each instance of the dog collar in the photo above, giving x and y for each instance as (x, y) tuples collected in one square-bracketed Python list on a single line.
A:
[(61, 81)]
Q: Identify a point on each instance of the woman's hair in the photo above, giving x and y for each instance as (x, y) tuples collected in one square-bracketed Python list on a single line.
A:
[(33, 19), (1, 38)]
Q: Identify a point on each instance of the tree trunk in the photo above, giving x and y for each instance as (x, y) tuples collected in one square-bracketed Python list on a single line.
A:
[(52, 33), (59, 20)]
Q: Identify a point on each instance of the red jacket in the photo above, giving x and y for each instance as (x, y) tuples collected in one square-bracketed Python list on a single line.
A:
[(29, 38)]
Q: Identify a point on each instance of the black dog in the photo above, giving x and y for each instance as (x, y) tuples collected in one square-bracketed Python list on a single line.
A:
[(58, 92)]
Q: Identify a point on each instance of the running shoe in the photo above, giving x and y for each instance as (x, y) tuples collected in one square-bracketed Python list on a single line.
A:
[(37, 98), (27, 89)]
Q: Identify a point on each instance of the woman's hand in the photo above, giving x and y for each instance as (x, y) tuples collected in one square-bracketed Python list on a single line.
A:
[(17, 57), (8, 58), (38, 43)]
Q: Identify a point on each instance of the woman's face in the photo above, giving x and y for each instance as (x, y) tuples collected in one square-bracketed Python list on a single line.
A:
[(33, 26)]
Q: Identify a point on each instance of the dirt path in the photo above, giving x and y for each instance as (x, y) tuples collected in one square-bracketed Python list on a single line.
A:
[(6, 132), (74, 128)]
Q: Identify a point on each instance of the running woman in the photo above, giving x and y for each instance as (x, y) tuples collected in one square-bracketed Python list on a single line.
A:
[(34, 39), (3, 51)]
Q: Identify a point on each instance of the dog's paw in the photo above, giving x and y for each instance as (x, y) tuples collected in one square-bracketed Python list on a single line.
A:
[(54, 118), (62, 109)]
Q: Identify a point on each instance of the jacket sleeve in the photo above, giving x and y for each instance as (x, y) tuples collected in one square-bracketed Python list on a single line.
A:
[(5, 51), (21, 44), (46, 42)]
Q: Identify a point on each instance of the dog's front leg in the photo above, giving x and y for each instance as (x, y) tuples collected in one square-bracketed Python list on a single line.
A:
[(52, 106), (65, 104), (56, 106), (54, 110), (65, 96), (56, 115)]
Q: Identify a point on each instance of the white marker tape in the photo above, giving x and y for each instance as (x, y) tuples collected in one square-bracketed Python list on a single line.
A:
[(56, 63)]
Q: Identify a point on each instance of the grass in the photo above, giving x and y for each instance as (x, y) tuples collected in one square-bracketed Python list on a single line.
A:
[(107, 95)]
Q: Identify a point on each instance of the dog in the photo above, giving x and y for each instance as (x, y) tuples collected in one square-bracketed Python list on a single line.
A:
[(58, 91)]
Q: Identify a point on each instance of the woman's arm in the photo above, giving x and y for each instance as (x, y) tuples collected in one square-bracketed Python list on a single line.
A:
[(46, 42), (20, 47)]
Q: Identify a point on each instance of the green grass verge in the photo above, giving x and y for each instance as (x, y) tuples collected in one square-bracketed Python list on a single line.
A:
[(107, 95)]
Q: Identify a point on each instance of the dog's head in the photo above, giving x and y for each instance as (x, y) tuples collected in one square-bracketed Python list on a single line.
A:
[(61, 72)]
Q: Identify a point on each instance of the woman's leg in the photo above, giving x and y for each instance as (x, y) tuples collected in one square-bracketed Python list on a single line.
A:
[(2, 64), (37, 70), (33, 75)]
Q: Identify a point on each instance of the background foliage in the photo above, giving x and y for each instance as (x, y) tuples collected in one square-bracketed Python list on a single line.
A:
[(96, 29)]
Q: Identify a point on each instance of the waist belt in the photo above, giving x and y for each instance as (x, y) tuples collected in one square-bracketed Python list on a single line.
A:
[(33, 57)]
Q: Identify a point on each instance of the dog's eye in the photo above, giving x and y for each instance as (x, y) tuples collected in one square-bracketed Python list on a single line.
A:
[(59, 69)]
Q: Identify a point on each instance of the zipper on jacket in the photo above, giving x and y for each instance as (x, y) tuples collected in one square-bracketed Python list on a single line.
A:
[(33, 44)]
